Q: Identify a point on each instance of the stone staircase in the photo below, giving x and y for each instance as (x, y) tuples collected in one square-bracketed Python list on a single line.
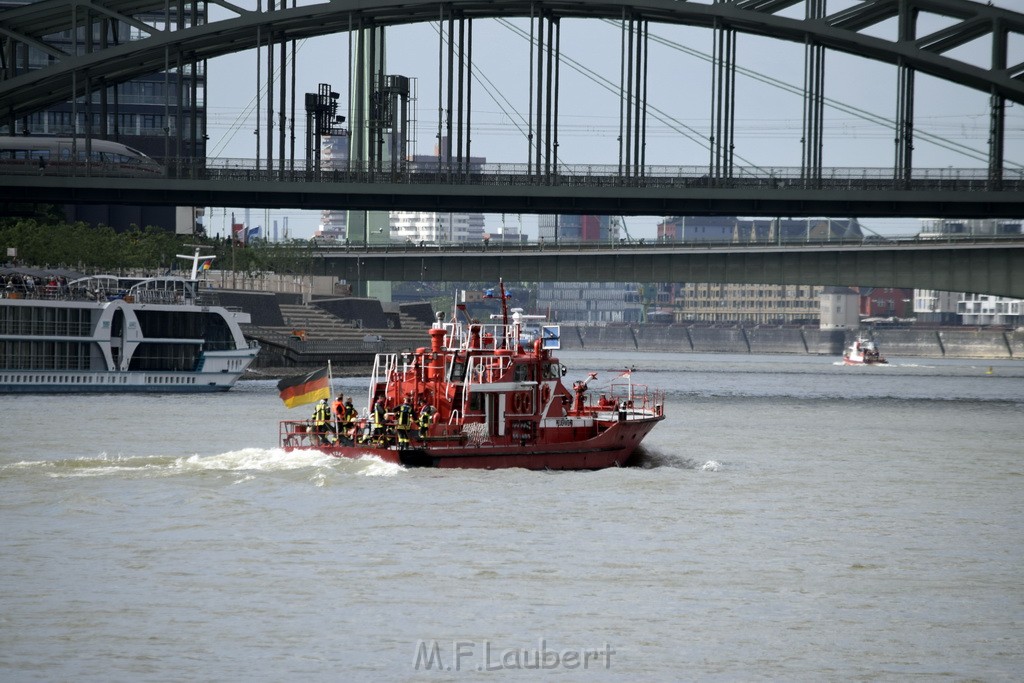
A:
[(312, 335), (316, 323)]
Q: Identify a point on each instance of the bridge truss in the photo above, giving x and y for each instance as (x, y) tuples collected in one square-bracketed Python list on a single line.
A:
[(114, 41)]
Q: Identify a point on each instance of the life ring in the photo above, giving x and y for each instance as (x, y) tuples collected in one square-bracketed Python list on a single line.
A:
[(521, 402), (545, 394)]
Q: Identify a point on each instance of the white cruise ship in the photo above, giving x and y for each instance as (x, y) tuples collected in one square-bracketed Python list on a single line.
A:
[(114, 334)]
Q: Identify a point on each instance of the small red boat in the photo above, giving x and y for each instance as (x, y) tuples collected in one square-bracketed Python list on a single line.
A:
[(483, 396), (863, 351)]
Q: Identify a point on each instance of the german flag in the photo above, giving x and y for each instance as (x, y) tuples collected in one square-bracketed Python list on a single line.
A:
[(296, 391)]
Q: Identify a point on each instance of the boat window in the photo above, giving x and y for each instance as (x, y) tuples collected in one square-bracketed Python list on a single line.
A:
[(554, 370), (458, 372), (523, 373)]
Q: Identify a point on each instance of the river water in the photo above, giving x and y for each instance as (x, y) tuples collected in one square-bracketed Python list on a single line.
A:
[(793, 519)]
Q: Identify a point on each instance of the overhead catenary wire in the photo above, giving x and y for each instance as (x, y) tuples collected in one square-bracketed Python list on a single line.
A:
[(671, 125), (692, 134), (671, 122), (863, 114), (243, 116)]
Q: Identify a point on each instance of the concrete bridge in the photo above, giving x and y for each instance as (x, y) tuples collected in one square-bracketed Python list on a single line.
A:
[(126, 39), (509, 188), (985, 266)]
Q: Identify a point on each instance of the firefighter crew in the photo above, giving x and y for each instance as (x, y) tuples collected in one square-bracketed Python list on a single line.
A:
[(337, 410), (322, 422), (378, 417), (348, 420), (426, 418), (404, 420)]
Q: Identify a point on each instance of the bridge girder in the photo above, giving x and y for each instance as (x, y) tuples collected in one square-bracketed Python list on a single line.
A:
[(610, 198), (23, 94), (995, 269)]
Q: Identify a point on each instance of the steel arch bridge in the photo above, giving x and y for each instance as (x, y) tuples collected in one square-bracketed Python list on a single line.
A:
[(107, 58)]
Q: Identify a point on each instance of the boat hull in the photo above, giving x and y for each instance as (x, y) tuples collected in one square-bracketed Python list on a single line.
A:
[(81, 345), (613, 447), (117, 382), (221, 370)]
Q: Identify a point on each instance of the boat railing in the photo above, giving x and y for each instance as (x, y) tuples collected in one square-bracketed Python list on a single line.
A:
[(637, 399), (385, 368), (460, 336), (295, 433), (78, 290), (164, 290), (156, 296), (44, 291), (486, 369), (101, 288)]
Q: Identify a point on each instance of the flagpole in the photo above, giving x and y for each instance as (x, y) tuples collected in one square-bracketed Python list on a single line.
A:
[(330, 390)]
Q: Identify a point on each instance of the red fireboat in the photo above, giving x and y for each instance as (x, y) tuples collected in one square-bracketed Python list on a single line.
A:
[(485, 396)]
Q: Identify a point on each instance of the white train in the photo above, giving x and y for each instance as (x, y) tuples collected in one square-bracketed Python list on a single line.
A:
[(46, 155)]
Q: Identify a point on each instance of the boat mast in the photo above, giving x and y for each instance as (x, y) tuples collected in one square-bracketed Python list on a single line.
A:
[(196, 259), (504, 303)]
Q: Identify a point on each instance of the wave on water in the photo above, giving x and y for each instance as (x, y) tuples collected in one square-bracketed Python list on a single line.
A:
[(648, 458), (247, 460)]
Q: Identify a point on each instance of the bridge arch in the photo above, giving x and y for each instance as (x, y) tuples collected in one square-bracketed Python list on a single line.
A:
[(846, 30)]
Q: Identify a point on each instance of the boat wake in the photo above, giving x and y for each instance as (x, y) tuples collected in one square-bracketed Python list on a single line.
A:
[(246, 461), (648, 458)]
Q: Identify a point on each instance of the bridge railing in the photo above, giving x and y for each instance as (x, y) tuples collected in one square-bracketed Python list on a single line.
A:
[(739, 173), (769, 178), (327, 248), (596, 176)]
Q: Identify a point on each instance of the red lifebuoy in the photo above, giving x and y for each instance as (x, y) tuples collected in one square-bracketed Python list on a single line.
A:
[(521, 402), (545, 394)]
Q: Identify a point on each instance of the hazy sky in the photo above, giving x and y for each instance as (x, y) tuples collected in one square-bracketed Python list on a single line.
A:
[(768, 114)]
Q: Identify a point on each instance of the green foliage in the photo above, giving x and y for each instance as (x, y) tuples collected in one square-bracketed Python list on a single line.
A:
[(42, 244), (283, 257)]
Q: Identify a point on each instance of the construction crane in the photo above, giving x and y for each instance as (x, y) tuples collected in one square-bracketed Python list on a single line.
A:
[(625, 229)]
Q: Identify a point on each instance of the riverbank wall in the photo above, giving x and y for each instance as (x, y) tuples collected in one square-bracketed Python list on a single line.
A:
[(348, 332), (982, 343)]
